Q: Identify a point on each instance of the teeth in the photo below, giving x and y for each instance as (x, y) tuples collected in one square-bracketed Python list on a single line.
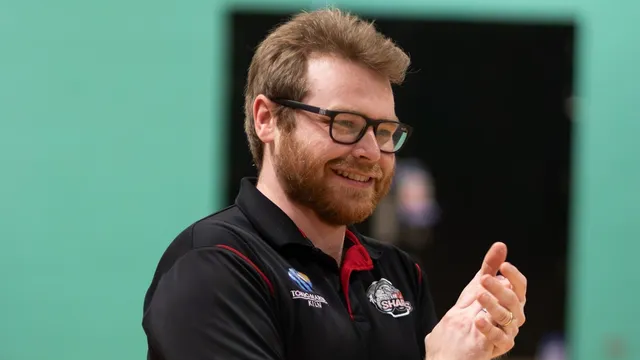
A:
[(353, 176)]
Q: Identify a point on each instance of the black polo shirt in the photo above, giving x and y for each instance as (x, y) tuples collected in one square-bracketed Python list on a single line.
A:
[(245, 283)]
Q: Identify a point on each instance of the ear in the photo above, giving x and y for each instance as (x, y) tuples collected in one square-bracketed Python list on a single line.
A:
[(264, 119)]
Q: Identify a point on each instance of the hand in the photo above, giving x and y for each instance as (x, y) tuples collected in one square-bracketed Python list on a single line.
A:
[(459, 325), (493, 259), (504, 303)]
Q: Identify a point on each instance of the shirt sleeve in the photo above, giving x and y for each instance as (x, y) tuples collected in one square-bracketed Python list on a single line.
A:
[(214, 303)]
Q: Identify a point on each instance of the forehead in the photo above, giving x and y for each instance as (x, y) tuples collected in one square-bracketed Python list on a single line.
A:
[(339, 84)]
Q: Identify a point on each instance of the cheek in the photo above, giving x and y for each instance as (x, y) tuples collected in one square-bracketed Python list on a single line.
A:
[(326, 150), (316, 143), (387, 163)]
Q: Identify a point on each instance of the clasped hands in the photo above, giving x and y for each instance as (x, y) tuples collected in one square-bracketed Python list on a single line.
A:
[(485, 320)]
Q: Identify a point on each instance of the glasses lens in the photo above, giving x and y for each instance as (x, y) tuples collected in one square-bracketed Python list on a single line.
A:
[(399, 138), (346, 127), (391, 136)]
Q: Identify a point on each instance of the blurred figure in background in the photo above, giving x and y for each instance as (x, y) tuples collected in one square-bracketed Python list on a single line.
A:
[(407, 216), (552, 347)]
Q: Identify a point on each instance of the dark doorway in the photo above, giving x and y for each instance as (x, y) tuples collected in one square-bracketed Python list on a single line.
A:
[(488, 101)]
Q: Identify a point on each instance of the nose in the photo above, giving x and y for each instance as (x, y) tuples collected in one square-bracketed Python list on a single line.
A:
[(367, 148)]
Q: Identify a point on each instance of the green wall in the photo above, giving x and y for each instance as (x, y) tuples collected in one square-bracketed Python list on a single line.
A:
[(606, 210), (112, 139), (108, 146)]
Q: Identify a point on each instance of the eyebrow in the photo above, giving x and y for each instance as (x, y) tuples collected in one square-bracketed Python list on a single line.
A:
[(351, 110)]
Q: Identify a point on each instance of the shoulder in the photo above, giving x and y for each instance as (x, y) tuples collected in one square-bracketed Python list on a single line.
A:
[(228, 226), (225, 228), (226, 231)]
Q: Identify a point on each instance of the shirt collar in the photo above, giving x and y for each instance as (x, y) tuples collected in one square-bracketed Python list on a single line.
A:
[(274, 225)]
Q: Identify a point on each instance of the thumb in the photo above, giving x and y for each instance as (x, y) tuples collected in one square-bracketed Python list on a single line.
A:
[(496, 255)]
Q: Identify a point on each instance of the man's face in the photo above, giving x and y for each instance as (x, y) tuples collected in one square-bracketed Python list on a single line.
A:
[(341, 183)]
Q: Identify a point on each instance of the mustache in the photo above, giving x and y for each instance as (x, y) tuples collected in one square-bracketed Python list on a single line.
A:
[(351, 163)]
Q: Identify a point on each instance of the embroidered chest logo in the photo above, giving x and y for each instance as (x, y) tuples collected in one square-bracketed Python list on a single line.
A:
[(305, 291), (387, 299)]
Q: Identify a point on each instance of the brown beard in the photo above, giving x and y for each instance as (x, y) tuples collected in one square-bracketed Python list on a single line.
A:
[(302, 177)]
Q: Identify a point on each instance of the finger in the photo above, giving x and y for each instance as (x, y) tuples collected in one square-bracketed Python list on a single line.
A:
[(511, 330), (494, 334), (505, 282), (496, 312), (496, 255), (475, 307), (505, 297), (469, 293), (517, 280)]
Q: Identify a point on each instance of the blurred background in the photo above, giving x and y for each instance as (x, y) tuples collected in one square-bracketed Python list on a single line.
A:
[(121, 124)]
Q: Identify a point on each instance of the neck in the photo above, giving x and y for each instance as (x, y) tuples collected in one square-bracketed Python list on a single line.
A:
[(328, 238)]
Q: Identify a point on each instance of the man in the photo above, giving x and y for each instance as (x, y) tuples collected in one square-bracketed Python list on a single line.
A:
[(282, 274)]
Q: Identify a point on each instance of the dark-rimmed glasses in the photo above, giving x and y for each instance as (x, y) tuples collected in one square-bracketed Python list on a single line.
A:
[(347, 128)]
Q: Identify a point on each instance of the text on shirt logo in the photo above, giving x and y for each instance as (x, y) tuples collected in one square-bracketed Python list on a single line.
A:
[(306, 289), (387, 299)]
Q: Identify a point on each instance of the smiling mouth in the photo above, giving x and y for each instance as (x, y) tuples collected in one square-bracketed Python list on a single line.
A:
[(354, 177)]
